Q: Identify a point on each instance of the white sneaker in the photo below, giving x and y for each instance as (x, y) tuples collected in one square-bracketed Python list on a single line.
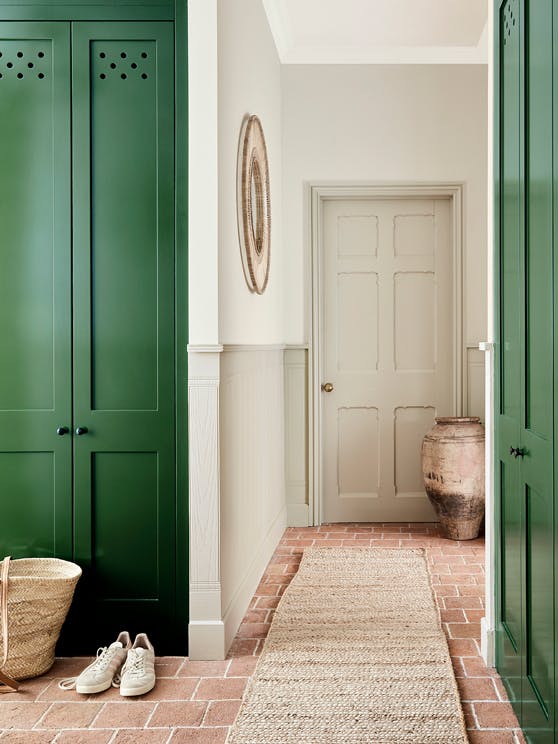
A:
[(99, 675), (138, 673)]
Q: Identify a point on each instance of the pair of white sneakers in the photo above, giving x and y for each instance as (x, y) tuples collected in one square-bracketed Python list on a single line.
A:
[(131, 667)]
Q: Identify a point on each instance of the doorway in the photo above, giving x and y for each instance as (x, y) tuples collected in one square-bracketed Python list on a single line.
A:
[(386, 344)]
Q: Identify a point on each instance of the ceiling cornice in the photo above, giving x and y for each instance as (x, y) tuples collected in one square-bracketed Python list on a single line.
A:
[(292, 54)]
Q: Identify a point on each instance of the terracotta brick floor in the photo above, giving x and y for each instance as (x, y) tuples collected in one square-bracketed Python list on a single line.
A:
[(196, 701)]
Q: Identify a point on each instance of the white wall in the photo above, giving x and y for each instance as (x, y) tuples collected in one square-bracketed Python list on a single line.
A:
[(385, 123), (252, 480), (249, 83)]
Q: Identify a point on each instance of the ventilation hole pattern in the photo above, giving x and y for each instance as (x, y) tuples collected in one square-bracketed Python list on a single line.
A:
[(509, 20), (20, 60), (133, 63)]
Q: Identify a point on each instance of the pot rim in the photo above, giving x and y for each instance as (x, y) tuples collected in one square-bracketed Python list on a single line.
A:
[(457, 420)]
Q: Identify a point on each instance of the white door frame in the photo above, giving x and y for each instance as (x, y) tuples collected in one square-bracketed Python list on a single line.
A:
[(316, 195)]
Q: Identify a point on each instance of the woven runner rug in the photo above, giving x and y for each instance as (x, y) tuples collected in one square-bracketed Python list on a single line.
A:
[(355, 654)]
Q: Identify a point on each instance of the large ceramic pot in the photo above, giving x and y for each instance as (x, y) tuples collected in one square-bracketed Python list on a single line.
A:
[(453, 470)]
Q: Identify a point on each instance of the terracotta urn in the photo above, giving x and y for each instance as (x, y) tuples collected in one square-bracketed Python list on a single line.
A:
[(453, 470)]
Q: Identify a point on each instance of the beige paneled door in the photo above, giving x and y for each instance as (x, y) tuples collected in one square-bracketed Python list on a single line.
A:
[(387, 351)]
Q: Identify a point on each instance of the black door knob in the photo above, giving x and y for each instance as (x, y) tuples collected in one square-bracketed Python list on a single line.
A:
[(81, 430), (517, 452), (62, 430)]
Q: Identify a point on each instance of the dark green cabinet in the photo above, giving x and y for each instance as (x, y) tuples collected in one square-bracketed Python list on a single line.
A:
[(87, 306), (526, 221)]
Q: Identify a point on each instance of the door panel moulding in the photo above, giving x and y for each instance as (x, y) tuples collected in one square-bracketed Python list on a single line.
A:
[(315, 196)]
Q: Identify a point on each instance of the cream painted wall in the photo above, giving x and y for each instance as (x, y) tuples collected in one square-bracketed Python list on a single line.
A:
[(251, 398), (385, 123), (249, 82)]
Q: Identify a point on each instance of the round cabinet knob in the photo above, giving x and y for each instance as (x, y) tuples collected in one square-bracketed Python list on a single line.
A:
[(81, 430), (62, 430), (327, 387)]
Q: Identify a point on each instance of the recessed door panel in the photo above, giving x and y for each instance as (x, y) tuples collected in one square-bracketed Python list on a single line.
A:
[(123, 154), (35, 322)]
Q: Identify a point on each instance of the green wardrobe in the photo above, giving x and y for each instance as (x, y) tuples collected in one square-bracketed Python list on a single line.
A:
[(526, 145), (92, 290)]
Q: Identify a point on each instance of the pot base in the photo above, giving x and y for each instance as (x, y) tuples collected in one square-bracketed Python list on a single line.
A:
[(460, 529)]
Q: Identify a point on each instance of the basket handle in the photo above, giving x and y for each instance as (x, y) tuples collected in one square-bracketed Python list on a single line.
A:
[(7, 684)]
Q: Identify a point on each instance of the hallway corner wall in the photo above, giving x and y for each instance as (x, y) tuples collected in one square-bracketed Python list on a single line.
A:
[(252, 502)]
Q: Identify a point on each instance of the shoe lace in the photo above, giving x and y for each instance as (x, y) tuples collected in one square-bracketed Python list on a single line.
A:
[(100, 663), (135, 664)]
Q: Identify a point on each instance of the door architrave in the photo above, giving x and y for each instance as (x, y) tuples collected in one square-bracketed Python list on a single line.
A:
[(316, 195)]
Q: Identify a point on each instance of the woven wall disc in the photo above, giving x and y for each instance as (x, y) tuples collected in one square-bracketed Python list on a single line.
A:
[(253, 204)]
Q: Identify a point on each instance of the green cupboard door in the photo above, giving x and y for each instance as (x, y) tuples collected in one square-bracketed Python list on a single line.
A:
[(508, 414), (536, 467), (35, 324), (124, 389)]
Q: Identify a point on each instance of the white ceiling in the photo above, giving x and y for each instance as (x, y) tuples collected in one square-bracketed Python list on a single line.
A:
[(379, 31)]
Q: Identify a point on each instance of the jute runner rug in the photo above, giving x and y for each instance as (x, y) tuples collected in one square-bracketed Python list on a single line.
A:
[(355, 654)]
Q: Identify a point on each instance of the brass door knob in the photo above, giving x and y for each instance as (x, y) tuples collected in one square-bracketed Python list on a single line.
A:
[(327, 387)]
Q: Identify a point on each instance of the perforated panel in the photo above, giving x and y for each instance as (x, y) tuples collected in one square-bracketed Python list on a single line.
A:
[(22, 60), (123, 60), (509, 19)]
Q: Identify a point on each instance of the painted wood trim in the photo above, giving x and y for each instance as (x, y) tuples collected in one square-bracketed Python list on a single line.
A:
[(296, 436), (205, 629), (488, 625), (316, 194)]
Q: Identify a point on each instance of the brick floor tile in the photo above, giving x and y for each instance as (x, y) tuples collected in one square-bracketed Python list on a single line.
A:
[(168, 666), (220, 689), (469, 716), (21, 715), (68, 666), (85, 736), (253, 630), (464, 630), (475, 667), (199, 736), (476, 688), (124, 715), (181, 688), (221, 713), (135, 736), (70, 715), (203, 668), (255, 616), (462, 647), (242, 647), (490, 737), (27, 737), (495, 715), (474, 616), (178, 714), (242, 667), (29, 690), (463, 603), (54, 694), (453, 616), (268, 603)]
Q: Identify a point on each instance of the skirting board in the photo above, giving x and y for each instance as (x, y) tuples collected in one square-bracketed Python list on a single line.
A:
[(488, 644), (297, 515), (206, 640), (241, 600)]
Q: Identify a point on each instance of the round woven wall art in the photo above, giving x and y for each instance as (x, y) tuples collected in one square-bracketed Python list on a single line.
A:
[(253, 204)]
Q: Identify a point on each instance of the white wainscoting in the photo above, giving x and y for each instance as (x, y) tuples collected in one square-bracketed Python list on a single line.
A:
[(252, 485), (296, 436), (206, 629)]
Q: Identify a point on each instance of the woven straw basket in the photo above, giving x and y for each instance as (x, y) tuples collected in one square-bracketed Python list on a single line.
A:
[(34, 602)]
